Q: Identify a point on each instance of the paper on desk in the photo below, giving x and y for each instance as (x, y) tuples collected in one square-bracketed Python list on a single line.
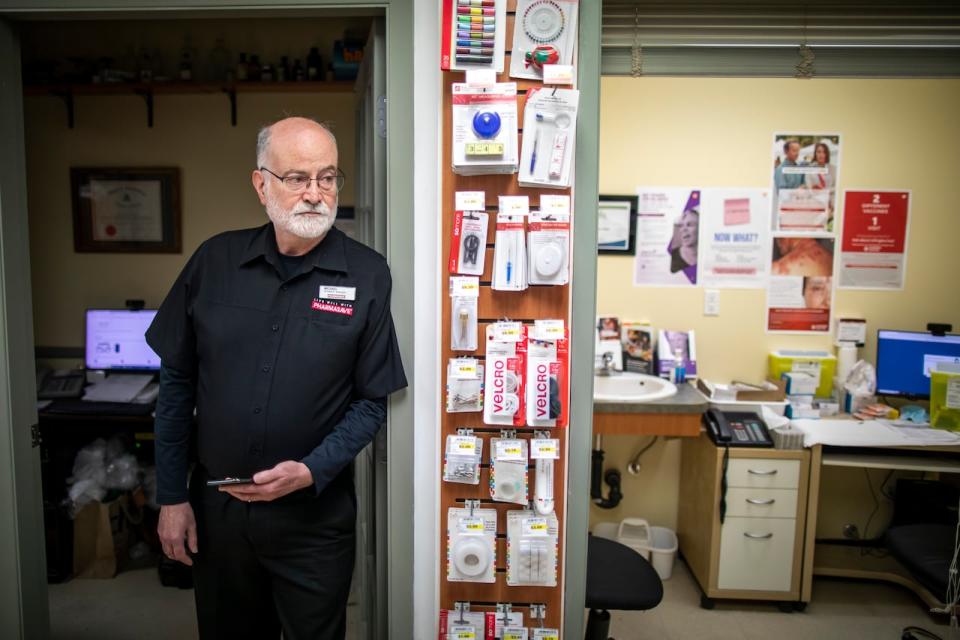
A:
[(872, 433), (117, 388)]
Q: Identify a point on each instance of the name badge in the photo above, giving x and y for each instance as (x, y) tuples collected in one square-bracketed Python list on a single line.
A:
[(338, 293)]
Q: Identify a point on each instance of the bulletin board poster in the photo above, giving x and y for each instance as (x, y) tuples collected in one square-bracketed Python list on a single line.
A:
[(800, 287), (734, 238), (805, 171), (873, 243), (668, 237)]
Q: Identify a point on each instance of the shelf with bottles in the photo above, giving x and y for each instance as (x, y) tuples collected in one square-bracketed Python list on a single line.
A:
[(147, 91)]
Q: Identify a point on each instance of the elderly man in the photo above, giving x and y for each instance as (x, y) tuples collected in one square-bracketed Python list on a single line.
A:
[(784, 179), (282, 338)]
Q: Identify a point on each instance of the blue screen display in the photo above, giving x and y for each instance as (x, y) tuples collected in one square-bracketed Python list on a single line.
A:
[(905, 359)]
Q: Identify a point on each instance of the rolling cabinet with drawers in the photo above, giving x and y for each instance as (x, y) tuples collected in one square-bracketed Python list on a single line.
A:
[(756, 553)]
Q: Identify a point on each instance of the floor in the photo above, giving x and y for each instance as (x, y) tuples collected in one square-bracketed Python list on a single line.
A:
[(137, 607)]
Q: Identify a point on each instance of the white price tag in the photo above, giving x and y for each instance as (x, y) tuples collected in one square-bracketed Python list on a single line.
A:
[(507, 331), (462, 445), (535, 527), (472, 525), (464, 287), (514, 633), (554, 205), (510, 450), (558, 74), (470, 200), (546, 634), (545, 449), (548, 329), (953, 393), (481, 77), (515, 205), (462, 632), (463, 369)]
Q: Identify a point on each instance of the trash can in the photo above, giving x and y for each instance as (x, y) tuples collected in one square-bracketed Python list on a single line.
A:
[(658, 545)]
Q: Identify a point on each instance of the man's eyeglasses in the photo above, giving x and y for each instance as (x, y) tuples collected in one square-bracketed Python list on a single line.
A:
[(329, 182)]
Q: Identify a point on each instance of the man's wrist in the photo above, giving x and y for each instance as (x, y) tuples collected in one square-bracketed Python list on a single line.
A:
[(305, 476)]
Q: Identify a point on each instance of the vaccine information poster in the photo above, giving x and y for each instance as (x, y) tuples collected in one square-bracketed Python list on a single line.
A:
[(873, 244), (800, 287), (734, 238), (668, 237), (805, 171)]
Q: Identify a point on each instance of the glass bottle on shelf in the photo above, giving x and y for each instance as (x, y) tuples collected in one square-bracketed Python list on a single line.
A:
[(242, 67), (219, 67), (253, 72), (283, 69), (314, 68), (266, 73), (185, 72), (297, 73)]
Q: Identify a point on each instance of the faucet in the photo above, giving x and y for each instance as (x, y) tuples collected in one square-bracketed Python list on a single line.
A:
[(607, 368)]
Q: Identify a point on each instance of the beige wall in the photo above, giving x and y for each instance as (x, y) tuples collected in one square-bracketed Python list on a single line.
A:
[(897, 134)]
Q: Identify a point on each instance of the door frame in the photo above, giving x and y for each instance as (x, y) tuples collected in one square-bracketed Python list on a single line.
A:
[(23, 601)]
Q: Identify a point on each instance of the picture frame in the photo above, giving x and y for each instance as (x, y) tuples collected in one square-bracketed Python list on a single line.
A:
[(617, 225), (126, 209)]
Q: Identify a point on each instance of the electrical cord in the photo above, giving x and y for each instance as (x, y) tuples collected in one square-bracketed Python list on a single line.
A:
[(953, 584)]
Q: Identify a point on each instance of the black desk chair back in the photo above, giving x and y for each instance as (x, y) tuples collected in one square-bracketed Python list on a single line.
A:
[(618, 578)]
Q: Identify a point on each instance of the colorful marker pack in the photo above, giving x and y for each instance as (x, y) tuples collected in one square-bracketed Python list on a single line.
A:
[(549, 138), (474, 35), (484, 128), (547, 382), (503, 402), (545, 32)]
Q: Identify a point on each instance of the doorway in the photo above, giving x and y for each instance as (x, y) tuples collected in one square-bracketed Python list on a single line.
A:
[(134, 111)]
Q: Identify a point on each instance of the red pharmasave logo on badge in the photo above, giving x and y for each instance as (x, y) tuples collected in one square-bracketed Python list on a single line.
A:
[(342, 308)]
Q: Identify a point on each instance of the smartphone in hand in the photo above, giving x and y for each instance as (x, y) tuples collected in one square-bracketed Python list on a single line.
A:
[(226, 482)]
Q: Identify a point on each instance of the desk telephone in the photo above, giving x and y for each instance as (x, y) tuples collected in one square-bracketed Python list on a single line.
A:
[(737, 429), (62, 383)]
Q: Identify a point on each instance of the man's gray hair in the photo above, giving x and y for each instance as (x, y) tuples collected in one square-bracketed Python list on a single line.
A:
[(263, 136)]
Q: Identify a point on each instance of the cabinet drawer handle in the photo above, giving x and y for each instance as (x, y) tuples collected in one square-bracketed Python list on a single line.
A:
[(771, 472), (757, 536), (761, 502)]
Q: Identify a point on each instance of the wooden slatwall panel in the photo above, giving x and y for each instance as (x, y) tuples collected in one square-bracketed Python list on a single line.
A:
[(537, 302)]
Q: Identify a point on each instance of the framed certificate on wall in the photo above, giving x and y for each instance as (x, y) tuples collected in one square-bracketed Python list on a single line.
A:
[(126, 210), (617, 225)]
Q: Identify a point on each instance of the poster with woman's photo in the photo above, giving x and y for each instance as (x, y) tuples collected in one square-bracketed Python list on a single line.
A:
[(800, 288), (668, 236), (805, 171)]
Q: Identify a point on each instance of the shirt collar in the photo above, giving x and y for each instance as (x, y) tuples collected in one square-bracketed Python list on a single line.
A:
[(329, 255)]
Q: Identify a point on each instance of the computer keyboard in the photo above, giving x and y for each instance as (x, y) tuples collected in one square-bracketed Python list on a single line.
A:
[(81, 407)]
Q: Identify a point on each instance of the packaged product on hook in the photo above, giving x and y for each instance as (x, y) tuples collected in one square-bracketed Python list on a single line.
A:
[(510, 249), (547, 382), (545, 32), (548, 245), (503, 401), (532, 549), (544, 451), (471, 545), (461, 458), (484, 128), (464, 294), (464, 385), (474, 35), (468, 242), (457, 624), (549, 138), (508, 470)]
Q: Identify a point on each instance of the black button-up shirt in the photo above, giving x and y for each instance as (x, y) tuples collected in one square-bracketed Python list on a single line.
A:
[(283, 361)]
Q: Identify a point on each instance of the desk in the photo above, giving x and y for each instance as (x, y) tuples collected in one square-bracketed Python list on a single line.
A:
[(847, 561)]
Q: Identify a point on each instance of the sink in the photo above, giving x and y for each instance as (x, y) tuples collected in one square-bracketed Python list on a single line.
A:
[(631, 387)]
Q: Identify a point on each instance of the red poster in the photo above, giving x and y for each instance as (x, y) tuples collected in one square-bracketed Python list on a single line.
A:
[(873, 245)]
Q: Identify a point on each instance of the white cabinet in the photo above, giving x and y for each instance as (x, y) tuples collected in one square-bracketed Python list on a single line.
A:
[(756, 554)]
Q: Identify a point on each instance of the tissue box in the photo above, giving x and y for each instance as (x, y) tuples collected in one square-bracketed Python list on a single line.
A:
[(800, 384), (820, 364)]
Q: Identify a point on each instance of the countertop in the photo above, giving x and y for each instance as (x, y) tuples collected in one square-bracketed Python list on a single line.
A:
[(687, 400)]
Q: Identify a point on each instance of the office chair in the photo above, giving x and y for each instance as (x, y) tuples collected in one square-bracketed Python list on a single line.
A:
[(618, 578)]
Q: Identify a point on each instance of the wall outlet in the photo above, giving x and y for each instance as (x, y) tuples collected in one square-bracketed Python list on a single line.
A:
[(711, 302)]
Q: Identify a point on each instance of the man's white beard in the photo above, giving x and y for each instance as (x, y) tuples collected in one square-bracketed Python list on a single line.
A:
[(304, 220)]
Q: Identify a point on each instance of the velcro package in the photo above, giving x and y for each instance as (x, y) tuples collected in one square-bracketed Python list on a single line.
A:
[(504, 401), (547, 381)]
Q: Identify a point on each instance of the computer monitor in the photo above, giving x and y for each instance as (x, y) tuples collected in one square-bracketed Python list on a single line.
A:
[(115, 341), (905, 359)]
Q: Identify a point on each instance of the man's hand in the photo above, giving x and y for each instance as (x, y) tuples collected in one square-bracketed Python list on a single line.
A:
[(286, 477), (176, 524)]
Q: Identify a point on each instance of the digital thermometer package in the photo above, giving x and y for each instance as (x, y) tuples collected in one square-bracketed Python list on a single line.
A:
[(547, 383), (484, 128), (548, 245), (474, 35), (549, 137), (468, 242), (471, 545), (545, 32), (503, 402)]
